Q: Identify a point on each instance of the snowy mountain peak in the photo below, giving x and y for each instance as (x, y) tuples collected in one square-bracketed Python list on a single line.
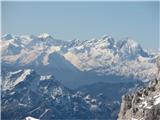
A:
[(44, 35), (76, 41), (129, 49), (32, 37), (7, 37), (128, 43), (107, 37), (131, 43), (108, 40)]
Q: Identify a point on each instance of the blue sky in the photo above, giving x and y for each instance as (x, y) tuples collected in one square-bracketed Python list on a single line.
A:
[(84, 20)]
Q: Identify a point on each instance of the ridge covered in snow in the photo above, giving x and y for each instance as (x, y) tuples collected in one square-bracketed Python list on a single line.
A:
[(104, 55)]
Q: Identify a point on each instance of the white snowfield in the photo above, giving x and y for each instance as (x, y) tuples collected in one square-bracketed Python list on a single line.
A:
[(150, 101), (9, 84), (31, 118), (45, 77), (23, 76), (102, 55)]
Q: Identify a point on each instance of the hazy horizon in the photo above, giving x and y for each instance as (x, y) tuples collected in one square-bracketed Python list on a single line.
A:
[(84, 20)]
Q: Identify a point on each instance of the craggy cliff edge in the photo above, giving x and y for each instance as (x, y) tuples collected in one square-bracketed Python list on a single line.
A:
[(144, 104)]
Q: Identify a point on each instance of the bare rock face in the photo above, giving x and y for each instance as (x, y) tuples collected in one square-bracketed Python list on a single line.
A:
[(144, 104)]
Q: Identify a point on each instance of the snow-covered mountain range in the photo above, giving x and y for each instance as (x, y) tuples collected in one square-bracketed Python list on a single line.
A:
[(102, 56)]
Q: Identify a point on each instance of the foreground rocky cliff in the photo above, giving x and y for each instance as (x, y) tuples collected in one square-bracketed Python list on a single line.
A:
[(144, 104)]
